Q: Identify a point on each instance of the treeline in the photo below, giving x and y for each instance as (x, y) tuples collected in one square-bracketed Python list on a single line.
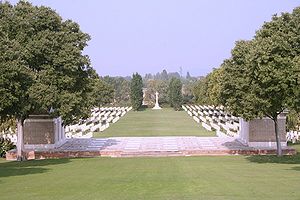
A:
[(160, 82), (261, 78)]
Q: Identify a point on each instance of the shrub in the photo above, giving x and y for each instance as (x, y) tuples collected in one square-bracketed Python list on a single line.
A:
[(5, 146)]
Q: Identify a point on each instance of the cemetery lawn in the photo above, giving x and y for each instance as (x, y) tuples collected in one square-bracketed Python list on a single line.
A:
[(214, 177), (165, 122)]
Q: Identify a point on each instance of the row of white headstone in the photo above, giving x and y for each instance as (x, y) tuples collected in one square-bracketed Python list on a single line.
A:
[(214, 118), (99, 121), (293, 136), (11, 136)]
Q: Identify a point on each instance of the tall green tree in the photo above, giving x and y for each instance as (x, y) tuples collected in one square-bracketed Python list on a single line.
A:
[(103, 93), (260, 79), (208, 89), (214, 82), (121, 87), (200, 91), (175, 93), (42, 66), (136, 91)]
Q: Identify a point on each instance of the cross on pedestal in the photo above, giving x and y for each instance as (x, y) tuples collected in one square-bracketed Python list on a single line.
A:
[(156, 107)]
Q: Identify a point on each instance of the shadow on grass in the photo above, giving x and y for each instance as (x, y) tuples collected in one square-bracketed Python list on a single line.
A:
[(234, 145), (14, 168), (274, 159), (143, 108), (287, 159), (296, 168)]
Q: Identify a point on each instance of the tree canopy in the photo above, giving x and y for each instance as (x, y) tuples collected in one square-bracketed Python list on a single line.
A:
[(261, 77), (207, 90), (121, 87), (42, 65), (103, 93)]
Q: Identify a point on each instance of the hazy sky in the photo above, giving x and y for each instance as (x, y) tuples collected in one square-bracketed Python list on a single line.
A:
[(149, 36)]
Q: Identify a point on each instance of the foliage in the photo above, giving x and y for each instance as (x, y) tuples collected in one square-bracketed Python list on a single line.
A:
[(103, 93), (213, 92), (136, 91), (121, 87), (7, 125), (293, 121), (208, 89), (5, 146), (162, 76), (188, 85), (42, 65), (259, 78), (200, 91), (160, 82), (159, 86), (175, 93)]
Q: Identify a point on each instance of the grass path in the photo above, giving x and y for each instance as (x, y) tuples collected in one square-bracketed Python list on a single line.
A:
[(165, 122), (189, 178)]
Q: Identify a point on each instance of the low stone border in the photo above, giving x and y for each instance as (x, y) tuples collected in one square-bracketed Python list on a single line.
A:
[(31, 155)]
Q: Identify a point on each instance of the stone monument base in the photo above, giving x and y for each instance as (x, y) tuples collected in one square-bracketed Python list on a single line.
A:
[(156, 108)]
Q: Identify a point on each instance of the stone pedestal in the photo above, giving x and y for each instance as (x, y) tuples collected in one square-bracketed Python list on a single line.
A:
[(261, 132)]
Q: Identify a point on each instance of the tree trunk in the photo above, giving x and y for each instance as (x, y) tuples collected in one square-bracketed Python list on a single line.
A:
[(278, 141), (20, 140)]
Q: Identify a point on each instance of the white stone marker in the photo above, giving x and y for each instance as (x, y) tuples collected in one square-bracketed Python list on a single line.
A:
[(156, 107)]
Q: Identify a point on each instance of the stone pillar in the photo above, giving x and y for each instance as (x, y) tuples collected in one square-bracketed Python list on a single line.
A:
[(156, 107)]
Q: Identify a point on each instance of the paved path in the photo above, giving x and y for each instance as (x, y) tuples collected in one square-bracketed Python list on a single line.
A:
[(153, 144), (147, 146), (159, 146)]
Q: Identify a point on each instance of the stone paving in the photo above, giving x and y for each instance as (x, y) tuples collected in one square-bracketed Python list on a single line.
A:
[(147, 146), (161, 146), (152, 144)]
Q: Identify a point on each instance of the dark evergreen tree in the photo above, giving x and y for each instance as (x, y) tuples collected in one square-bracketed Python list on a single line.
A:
[(188, 75), (136, 91), (175, 93), (164, 75)]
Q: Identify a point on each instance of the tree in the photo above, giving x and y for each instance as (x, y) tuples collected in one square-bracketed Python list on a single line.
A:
[(159, 86), (214, 81), (7, 125), (164, 75), (208, 89), (121, 87), (260, 78), (293, 121), (188, 76), (136, 91), (200, 91), (103, 93), (175, 93), (42, 66), (187, 90)]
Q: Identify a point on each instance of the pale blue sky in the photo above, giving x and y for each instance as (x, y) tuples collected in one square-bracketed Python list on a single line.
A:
[(148, 36)]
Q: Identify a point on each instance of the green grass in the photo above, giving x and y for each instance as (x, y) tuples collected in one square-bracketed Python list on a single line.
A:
[(226, 177), (165, 122)]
